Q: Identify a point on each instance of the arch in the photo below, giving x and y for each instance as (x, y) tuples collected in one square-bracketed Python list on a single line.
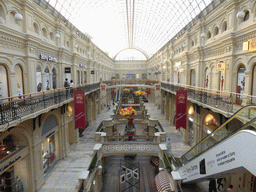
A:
[(36, 28), (50, 123), (209, 35), (216, 30), (51, 36), (19, 80), (54, 78), (192, 43), (247, 15), (239, 61), (4, 82), (135, 48), (210, 121), (224, 26), (2, 12), (44, 32)]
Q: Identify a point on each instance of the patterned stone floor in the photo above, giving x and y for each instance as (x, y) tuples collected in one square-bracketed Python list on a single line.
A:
[(64, 176)]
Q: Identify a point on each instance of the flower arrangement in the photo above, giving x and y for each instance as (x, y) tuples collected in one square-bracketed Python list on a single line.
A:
[(137, 93), (126, 90), (128, 112)]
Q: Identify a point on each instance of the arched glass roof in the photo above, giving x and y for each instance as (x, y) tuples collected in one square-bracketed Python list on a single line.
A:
[(130, 54), (120, 24)]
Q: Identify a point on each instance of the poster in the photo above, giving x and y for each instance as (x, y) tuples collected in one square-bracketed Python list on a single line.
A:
[(181, 109), (47, 81), (38, 81), (79, 105)]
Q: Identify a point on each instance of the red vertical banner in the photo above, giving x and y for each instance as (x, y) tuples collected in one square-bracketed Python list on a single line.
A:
[(79, 104), (181, 109)]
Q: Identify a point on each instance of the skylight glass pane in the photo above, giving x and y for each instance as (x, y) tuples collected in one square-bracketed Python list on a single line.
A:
[(148, 24)]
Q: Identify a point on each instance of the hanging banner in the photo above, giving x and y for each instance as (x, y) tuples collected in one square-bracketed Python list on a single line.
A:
[(79, 104), (113, 91), (181, 109)]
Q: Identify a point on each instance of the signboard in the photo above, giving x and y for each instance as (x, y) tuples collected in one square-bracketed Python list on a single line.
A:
[(47, 58), (246, 46), (220, 66), (103, 87), (181, 109), (92, 72), (79, 105), (158, 87), (67, 70), (252, 45)]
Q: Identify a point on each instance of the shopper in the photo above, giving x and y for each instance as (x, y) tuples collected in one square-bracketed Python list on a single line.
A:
[(66, 83), (230, 189), (71, 83), (212, 186), (219, 183)]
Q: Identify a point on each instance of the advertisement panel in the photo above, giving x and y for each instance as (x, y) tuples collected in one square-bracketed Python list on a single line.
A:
[(79, 105), (181, 109)]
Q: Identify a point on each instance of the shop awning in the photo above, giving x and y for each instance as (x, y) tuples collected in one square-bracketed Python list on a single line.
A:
[(162, 183), (154, 160)]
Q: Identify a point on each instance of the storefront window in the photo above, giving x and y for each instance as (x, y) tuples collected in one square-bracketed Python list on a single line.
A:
[(47, 79), (48, 153), (240, 84), (38, 79), (254, 85), (6, 147), (77, 77), (206, 81), (54, 78), (193, 77), (3, 83), (18, 80), (190, 124)]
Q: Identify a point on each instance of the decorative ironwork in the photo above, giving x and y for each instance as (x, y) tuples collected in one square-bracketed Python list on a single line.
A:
[(24, 105), (215, 99)]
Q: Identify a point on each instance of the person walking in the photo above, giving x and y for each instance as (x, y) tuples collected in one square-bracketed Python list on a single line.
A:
[(219, 183), (66, 83), (230, 189), (71, 83), (212, 185)]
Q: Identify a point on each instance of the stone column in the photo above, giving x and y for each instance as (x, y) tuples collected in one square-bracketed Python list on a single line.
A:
[(167, 106)]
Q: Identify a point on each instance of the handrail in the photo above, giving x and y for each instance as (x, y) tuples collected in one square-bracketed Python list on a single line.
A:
[(39, 94), (244, 114)]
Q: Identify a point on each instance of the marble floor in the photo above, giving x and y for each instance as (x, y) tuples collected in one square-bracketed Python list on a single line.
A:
[(64, 176)]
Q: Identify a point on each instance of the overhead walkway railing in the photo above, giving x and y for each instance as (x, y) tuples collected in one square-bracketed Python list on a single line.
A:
[(215, 98), (130, 82), (14, 108)]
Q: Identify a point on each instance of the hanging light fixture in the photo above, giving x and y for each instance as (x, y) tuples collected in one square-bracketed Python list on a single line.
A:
[(57, 36), (203, 35), (240, 15), (18, 17)]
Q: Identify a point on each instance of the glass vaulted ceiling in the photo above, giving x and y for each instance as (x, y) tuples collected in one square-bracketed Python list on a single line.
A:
[(115, 25)]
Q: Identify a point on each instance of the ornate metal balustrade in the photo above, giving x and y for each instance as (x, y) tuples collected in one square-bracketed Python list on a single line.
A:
[(130, 82), (214, 98), (134, 138), (13, 108)]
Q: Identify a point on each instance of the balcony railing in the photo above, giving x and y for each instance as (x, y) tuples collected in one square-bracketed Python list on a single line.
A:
[(13, 108), (130, 82)]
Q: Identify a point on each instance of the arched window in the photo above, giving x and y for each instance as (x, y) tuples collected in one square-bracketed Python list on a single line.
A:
[(254, 84), (216, 31), (209, 35), (247, 15), (38, 79), (54, 78), (36, 29), (67, 44), (44, 32), (47, 79), (207, 79), (52, 36), (224, 26), (18, 80), (4, 92), (12, 18)]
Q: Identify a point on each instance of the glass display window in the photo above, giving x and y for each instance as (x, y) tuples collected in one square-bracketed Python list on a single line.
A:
[(48, 153)]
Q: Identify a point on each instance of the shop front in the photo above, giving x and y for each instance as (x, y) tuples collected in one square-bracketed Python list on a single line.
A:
[(49, 143), (13, 165), (190, 124)]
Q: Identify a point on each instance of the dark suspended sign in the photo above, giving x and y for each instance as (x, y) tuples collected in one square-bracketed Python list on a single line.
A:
[(181, 109), (92, 72), (79, 104)]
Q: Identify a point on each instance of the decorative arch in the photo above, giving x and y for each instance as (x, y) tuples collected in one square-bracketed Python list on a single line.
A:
[(135, 48), (50, 122), (238, 62), (224, 25)]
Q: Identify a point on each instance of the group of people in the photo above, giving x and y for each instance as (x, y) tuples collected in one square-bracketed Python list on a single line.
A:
[(68, 84), (213, 188)]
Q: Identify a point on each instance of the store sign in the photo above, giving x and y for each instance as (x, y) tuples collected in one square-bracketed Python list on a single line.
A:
[(10, 163), (158, 87), (67, 70), (181, 109), (249, 45), (246, 46), (79, 113), (47, 58), (103, 87), (130, 71), (221, 66), (92, 72)]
